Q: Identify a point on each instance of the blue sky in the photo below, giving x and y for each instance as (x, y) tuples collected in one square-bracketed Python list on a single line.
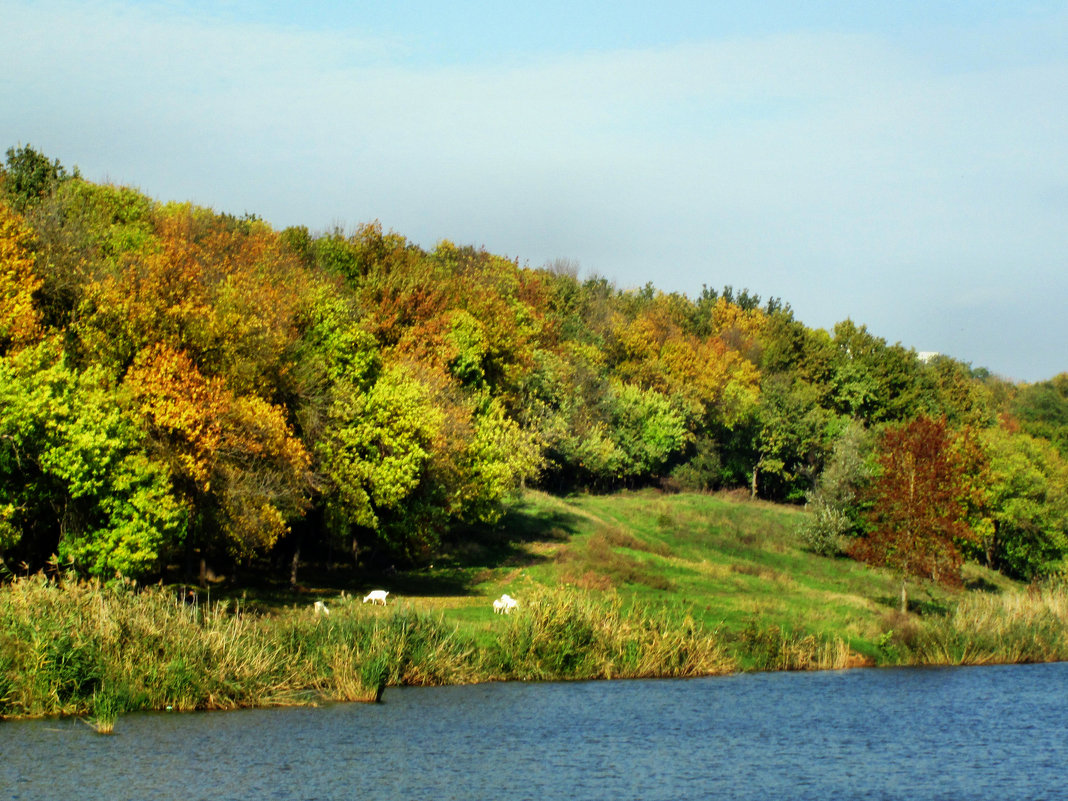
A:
[(901, 164)]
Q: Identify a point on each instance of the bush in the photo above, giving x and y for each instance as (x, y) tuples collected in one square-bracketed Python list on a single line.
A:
[(823, 531)]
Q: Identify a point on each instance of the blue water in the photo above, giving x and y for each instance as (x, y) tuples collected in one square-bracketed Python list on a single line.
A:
[(963, 733)]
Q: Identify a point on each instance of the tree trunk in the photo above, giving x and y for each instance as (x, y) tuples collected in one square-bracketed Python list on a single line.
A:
[(991, 548), (753, 487), (294, 566), (904, 596)]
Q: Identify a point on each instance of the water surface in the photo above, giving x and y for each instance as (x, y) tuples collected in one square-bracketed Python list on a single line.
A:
[(962, 733)]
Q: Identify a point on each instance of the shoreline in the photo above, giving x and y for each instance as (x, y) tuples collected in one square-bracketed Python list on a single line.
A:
[(82, 650), (323, 701)]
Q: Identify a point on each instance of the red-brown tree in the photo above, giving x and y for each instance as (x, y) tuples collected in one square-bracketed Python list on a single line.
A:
[(920, 502)]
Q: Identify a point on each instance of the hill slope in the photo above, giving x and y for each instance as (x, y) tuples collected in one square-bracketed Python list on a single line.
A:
[(736, 566)]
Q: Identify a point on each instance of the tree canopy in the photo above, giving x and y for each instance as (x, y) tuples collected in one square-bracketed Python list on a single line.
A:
[(178, 382)]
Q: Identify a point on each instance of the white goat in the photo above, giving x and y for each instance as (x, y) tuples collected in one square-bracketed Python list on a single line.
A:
[(376, 597), (505, 604), (320, 608)]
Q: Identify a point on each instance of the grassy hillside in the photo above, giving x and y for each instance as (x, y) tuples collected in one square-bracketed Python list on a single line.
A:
[(736, 566)]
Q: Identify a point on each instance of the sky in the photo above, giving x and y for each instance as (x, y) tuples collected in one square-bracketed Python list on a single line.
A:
[(903, 165)]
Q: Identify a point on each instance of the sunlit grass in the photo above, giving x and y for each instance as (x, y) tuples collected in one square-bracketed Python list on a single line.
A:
[(732, 564), (730, 560)]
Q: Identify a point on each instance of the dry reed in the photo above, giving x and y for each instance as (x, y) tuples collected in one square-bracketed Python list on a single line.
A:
[(984, 628)]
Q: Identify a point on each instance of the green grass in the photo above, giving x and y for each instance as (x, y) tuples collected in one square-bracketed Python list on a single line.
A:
[(624, 585), (736, 567)]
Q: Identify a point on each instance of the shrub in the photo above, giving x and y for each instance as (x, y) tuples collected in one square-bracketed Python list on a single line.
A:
[(822, 532)]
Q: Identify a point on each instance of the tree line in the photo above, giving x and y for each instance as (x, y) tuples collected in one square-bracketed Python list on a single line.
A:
[(177, 383)]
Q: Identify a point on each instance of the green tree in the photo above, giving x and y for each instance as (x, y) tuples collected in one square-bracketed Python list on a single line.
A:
[(952, 389), (76, 478), (835, 512), (789, 432), (873, 381), (1042, 409), (29, 175), (376, 444), (647, 431), (1027, 503)]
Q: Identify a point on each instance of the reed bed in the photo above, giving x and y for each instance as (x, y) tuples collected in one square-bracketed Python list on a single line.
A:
[(569, 634), (985, 628), (79, 648), (776, 648), (73, 647)]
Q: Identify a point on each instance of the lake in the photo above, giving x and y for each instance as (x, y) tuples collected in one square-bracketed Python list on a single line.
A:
[(947, 733)]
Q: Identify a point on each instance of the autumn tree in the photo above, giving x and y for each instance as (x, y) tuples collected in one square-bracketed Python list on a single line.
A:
[(711, 378), (235, 457), (19, 318), (920, 500), (162, 357)]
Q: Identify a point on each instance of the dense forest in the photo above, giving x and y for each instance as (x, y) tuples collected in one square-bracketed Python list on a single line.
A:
[(179, 385)]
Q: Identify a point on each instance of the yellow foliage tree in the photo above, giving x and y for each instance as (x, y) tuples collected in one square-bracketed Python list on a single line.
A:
[(182, 408), (19, 320), (709, 375)]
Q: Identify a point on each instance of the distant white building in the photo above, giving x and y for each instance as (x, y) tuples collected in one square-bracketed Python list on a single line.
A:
[(926, 355)]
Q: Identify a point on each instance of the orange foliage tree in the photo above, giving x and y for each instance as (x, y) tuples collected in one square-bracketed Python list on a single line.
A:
[(236, 454)]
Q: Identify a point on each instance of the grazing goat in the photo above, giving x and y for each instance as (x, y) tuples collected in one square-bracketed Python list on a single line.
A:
[(376, 597), (320, 608), (504, 605)]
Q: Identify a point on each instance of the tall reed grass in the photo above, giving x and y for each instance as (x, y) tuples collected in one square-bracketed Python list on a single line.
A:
[(776, 648), (79, 648), (986, 628), (72, 647), (569, 634)]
